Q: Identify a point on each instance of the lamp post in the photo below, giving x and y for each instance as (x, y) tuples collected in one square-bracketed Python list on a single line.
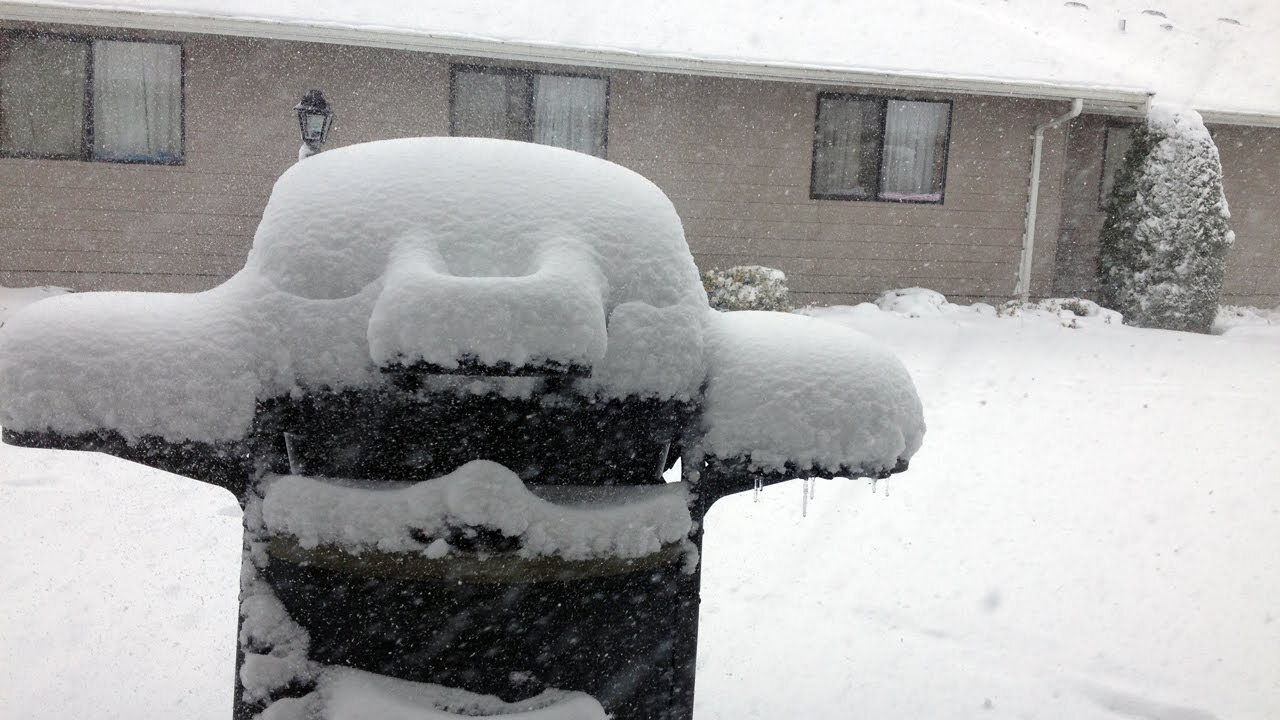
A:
[(314, 120)]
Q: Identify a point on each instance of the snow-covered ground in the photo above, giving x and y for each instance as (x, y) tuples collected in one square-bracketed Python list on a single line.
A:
[(11, 299), (1088, 532)]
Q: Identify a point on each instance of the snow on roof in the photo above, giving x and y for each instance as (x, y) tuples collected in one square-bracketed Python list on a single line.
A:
[(1218, 57)]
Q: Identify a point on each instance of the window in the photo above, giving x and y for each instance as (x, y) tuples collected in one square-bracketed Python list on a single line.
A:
[(568, 111), (1119, 140), (874, 148), (90, 99)]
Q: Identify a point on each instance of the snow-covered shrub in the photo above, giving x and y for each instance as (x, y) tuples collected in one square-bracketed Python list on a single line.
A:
[(914, 302), (747, 287), (1233, 316), (1071, 312), (1165, 241)]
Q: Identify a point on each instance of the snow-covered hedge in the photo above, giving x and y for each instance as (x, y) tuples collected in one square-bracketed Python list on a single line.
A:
[(747, 287), (1165, 241)]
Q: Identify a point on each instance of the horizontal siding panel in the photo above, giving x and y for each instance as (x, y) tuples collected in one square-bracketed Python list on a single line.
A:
[(767, 212), (958, 197), (912, 235), (907, 215), (124, 200), (745, 190), (698, 227), (86, 281), (744, 155), (994, 167), (1010, 185), (137, 178), (750, 248), (24, 260), (785, 233), (56, 220), (980, 199), (871, 286), (810, 269), (661, 172), (104, 241)]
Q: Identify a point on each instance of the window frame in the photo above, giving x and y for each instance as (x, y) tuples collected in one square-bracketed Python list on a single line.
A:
[(1110, 125), (87, 136), (528, 74), (883, 101)]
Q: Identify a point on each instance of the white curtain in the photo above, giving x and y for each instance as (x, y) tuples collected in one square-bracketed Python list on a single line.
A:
[(569, 112), (490, 104), (915, 139), (42, 96), (846, 147), (137, 101)]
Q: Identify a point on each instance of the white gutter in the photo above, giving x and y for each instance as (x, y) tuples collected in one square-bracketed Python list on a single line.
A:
[(1023, 290), (399, 39)]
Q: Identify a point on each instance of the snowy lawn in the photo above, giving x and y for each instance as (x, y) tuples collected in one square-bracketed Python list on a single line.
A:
[(1088, 532)]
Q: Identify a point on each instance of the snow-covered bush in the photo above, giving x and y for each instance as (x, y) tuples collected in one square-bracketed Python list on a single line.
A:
[(1234, 316), (1165, 241), (747, 287), (1071, 312), (914, 302)]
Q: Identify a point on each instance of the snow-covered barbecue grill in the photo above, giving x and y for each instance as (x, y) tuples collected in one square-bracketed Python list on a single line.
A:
[(446, 386)]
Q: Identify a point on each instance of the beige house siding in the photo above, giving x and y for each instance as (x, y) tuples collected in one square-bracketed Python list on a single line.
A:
[(1251, 170), (1251, 177), (734, 155), (1082, 217), (97, 226)]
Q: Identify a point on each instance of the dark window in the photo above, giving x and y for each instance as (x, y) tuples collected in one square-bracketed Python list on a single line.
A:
[(874, 148), (87, 99), (568, 111), (1119, 140)]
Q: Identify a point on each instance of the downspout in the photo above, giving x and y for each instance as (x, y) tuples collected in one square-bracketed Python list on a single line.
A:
[(1023, 290)]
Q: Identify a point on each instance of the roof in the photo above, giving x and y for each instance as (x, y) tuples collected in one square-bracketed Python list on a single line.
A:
[(1216, 57)]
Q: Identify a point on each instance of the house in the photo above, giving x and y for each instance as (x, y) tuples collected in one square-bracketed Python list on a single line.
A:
[(856, 146)]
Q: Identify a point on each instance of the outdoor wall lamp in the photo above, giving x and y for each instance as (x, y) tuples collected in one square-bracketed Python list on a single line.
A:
[(314, 120)]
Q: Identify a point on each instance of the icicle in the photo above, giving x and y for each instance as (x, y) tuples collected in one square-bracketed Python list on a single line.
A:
[(886, 487), (759, 487), (804, 498), (873, 486), (813, 484)]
